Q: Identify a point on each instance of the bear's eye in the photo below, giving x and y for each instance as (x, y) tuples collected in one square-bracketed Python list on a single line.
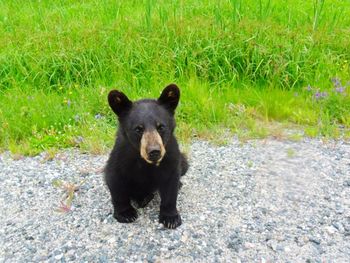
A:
[(160, 127), (139, 129)]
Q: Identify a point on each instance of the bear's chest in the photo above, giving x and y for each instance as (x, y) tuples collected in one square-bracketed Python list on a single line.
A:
[(141, 173)]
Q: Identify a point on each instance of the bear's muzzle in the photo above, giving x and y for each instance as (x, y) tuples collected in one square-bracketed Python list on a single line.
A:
[(152, 148)]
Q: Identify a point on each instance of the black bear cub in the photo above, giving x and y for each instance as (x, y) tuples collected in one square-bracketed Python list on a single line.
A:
[(146, 157)]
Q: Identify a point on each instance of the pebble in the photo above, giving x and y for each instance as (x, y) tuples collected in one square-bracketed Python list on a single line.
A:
[(272, 244), (331, 230), (346, 183), (112, 240), (249, 245), (287, 249), (59, 256), (315, 240)]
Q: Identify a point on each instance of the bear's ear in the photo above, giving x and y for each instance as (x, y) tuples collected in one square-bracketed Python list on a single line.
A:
[(170, 97), (119, 102)]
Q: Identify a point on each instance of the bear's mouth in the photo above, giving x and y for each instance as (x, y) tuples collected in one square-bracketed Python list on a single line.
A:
[(152, 149)]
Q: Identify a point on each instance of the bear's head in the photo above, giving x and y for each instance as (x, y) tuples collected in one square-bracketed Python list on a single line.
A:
[(147, 124)]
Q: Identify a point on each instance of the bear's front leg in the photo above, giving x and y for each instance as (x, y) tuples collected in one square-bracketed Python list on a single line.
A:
[(169, 215), (123, 211)]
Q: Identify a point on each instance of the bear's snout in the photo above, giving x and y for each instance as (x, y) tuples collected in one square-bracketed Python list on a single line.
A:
[(152, 148), (154, 154)]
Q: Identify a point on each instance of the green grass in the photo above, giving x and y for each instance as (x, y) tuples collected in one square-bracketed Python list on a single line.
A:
[(242, 66)]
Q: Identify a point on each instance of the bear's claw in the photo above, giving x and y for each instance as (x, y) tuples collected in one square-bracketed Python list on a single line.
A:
[(170, 222), (127, 216)]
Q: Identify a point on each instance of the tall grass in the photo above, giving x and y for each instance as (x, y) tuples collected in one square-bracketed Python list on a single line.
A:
[(255, 54), (318, 8)]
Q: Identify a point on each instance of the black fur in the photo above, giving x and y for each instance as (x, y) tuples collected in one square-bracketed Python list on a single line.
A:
[(127, 174)]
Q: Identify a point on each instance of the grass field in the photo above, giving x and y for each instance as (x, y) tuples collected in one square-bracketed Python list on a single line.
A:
[(242, 66)]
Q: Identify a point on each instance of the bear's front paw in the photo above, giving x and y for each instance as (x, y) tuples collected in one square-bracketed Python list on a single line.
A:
[(171, 222), (127, 216)]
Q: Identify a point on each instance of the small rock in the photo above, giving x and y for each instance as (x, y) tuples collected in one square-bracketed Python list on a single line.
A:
[(280, 238), (268, 237), (184, 237), (109, 219), (280, 247), (248, 245), (331, 230), (315, 240), (301, 240), (339, 209), (218, 252), (272, 244), (31, 248), (112, 240), (270, 225), (235, 241), (103, 259), (338, 226), (319, 248)]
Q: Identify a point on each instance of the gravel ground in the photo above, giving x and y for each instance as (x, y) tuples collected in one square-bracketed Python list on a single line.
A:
[(261, 201)]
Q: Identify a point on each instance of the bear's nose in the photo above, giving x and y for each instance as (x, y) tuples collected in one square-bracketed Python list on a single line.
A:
[(154, 155)]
